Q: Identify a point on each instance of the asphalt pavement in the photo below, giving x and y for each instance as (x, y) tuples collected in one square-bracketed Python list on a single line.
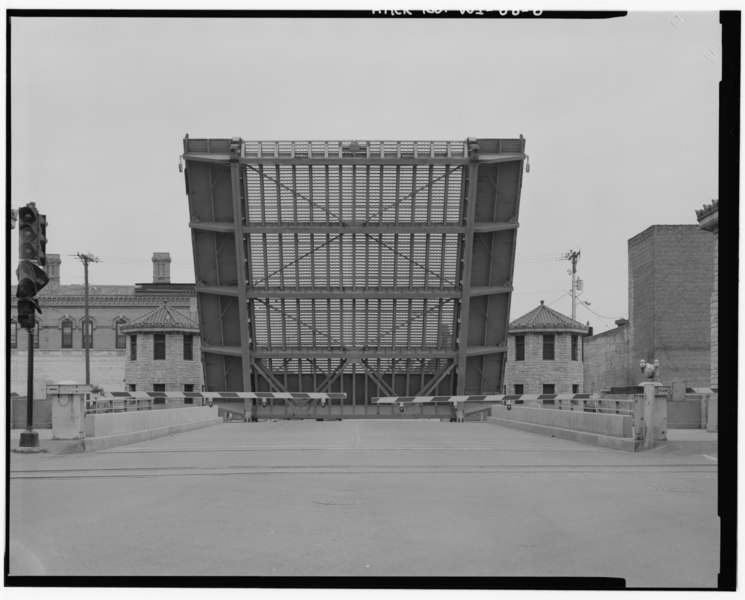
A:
[(368, 498)]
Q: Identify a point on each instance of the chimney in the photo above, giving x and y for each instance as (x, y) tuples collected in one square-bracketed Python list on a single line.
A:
[(161, 267), (52, 268)]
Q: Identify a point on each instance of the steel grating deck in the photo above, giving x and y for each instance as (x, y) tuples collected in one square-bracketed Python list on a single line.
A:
[(364, 264)]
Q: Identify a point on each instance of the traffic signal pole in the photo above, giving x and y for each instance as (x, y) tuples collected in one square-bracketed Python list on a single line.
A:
[(30, 438), (31, 279)]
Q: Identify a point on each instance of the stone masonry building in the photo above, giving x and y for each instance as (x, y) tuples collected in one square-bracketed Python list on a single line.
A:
[(59, 354), (163, 353), (544, 353)]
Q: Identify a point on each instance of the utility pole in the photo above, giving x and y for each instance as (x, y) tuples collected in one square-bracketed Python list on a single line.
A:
[(574, 257), (87, 329)]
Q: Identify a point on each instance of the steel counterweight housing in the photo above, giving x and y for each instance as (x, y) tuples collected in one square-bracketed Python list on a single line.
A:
[(371, 268)]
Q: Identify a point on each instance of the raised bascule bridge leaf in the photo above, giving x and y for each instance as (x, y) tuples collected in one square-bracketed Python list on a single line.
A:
[(369, 268)]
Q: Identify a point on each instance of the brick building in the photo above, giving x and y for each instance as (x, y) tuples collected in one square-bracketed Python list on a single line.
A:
[(58, 341), (607, 358), (670, 301), (163, 352), (708, 220), (544, 353), (670, 287)]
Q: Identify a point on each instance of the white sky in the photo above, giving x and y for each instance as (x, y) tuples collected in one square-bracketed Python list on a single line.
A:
[(620, 118)]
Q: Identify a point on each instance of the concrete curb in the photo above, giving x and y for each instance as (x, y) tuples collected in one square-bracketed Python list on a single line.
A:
[(583, 437), (93, 444)]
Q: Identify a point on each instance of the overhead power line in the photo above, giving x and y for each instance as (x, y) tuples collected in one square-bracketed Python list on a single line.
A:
[(585, 304)]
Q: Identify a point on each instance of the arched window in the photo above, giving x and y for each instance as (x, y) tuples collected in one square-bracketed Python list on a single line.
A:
[(66, 325), (13, 333), (121, 339)]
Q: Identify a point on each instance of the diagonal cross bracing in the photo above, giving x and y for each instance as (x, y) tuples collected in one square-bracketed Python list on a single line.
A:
[(356, 262)]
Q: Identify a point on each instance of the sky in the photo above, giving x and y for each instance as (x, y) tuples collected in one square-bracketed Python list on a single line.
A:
[(620, 118)]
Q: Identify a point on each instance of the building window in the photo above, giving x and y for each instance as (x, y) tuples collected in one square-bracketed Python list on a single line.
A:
[(159, 387), (575, 388), (121, 339), (159, 346), (132, 387), (548, 388), (132, 347), (13, 333), (86, 333), (519, 389), (67, 333), (188, 387), (575, 346), (519, 347), (548, 346), (188, 347)]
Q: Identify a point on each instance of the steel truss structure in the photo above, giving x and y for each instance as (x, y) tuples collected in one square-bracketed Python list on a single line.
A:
[(361, 267)]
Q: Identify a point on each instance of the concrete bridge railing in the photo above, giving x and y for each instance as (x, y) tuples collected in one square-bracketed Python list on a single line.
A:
[(598, 428), (106, 430)]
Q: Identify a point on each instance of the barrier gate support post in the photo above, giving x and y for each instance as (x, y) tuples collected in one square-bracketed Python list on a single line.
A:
[(650, 387)]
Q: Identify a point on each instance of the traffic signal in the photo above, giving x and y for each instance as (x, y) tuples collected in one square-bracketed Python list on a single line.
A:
[(32, 231), (31, 279), (32, 242), (27, 308)]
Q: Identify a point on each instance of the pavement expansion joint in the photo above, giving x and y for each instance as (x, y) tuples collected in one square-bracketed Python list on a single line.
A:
[(338, 501)]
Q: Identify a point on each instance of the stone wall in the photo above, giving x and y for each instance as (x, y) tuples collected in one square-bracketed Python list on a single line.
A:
[(534, 372), (173, 371)]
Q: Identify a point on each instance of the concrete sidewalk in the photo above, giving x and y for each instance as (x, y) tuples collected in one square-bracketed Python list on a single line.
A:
[(690, 441), (47, 443)]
